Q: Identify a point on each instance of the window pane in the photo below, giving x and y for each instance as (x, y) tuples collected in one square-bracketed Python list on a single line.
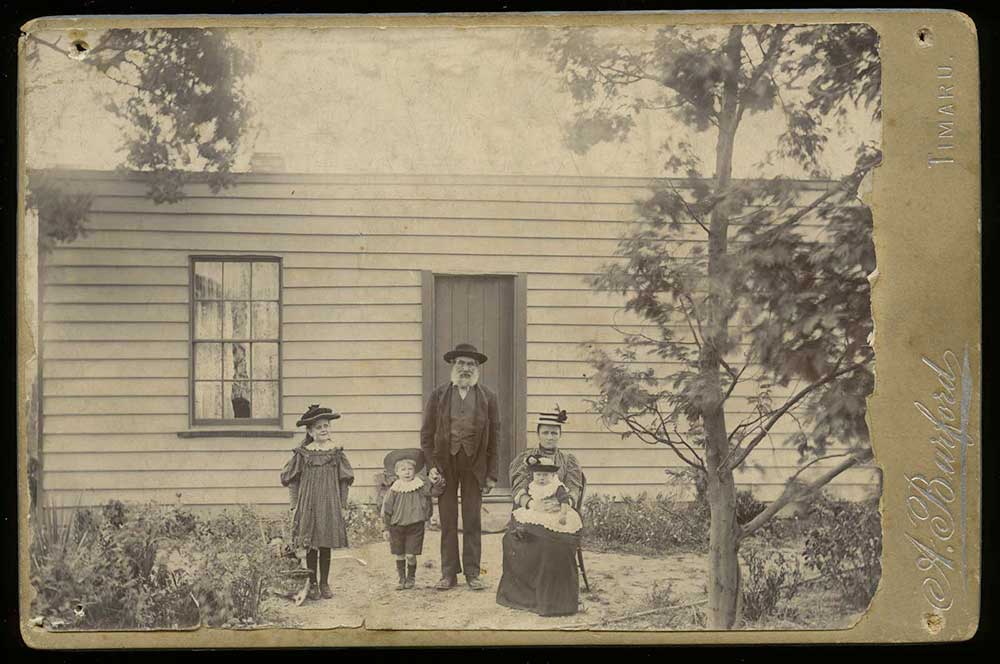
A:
[(207, 320), (265, 320), (236, 322), (208, 361), (265, 281), (265, 361), (236, 399), (265, 399), (237, 364), (207, 400), (207, 280), (236, 279)]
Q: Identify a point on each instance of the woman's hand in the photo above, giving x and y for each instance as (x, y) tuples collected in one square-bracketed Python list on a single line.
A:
[(385, 535)]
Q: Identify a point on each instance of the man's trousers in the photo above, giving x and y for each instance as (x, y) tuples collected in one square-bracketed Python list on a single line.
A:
[(459, 474)]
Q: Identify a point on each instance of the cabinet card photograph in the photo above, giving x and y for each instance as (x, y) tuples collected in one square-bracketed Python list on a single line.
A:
[(519, 329)]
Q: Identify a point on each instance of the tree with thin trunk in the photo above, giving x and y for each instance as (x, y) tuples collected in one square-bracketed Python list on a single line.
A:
[(178, 94), (753, 292)]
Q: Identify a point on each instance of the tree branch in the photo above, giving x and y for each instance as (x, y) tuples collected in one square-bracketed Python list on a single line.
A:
[(680, 438), (687, 207), (794, 491), (788, 405), (639, 430)]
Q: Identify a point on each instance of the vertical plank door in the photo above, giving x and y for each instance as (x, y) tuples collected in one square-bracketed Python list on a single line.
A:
[(480, 310)]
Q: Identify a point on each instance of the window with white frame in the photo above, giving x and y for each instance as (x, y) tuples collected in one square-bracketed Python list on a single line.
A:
[(235, 339)]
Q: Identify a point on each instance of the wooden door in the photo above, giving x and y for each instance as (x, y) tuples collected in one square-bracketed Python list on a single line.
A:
[(479, 310)]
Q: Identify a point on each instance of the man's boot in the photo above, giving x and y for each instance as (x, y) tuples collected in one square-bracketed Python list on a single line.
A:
[(446, 583), (401, 569), (411, 574)]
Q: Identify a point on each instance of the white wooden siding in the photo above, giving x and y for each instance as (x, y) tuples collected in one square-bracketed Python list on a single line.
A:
[(115, 326)]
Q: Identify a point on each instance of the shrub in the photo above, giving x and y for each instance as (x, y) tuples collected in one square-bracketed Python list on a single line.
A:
[(149, 566), (101, 572), (653, 524), (844, 544), (364, 523), (767, 580), (747, 507), (232, 565)]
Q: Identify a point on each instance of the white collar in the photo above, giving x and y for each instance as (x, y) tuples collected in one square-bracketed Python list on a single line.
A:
[(316, 447), (538, 492), (403, 486)]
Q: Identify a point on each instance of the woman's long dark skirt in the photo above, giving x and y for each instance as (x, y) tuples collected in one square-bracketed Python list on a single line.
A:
[(539, 571)]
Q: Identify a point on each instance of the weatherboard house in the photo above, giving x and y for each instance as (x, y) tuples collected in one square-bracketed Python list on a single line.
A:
[(180, 342)]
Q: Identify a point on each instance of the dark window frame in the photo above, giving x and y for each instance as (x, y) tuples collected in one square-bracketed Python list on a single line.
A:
[(194, 422)]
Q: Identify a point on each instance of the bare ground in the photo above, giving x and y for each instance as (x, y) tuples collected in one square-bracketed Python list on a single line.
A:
[(365, 594), (625, 588)]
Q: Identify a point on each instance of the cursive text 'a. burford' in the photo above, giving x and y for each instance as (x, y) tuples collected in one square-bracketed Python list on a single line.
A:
[(933, 498)]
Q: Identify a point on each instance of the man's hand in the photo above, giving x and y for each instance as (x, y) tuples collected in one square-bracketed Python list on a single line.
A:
[(489, 486), (434, 474)]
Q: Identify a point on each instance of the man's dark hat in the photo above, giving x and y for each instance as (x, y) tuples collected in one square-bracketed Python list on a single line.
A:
[(464, 350), (315, 414), (541, 463), (415, 454)]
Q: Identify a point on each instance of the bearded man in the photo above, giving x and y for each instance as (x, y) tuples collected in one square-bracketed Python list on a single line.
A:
[(459, 438)]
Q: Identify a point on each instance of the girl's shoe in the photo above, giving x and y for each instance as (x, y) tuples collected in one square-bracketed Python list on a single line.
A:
[(324, 591)]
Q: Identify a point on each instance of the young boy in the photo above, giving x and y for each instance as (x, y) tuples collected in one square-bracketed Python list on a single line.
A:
[(407, 505)]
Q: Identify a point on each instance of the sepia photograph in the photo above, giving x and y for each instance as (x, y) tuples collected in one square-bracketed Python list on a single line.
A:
[(427, 328)]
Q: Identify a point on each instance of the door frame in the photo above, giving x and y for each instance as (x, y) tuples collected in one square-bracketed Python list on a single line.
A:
[(519, 425)]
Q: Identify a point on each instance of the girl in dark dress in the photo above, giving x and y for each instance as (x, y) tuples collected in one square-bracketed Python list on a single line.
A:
[(318, 477)]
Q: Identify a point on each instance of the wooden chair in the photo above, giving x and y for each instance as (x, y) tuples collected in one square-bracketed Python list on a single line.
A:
[(579, 547)]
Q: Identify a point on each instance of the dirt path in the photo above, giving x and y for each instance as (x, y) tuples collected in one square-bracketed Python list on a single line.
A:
[(365, 594)]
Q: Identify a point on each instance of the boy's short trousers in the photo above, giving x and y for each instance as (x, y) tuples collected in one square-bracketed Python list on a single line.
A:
[(407, 540)]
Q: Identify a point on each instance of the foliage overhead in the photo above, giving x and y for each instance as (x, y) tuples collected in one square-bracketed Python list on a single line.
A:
[(753, 290), (179, 95)]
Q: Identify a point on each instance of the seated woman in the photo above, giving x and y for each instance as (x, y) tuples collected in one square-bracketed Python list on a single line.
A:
[(539, 547)]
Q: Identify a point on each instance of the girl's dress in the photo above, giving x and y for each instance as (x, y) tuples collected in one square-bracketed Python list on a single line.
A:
[(539, 563), (323, 477)]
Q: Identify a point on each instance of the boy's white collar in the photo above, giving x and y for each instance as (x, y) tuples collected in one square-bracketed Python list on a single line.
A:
[(405, 486)]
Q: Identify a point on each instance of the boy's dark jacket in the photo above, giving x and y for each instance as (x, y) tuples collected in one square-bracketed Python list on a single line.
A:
[(435, 434)]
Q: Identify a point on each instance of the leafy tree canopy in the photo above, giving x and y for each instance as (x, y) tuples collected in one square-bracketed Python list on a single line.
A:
[(754, 282), (180, 98)]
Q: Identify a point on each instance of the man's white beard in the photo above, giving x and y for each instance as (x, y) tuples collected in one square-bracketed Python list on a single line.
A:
[(464, 382), (538, 492)]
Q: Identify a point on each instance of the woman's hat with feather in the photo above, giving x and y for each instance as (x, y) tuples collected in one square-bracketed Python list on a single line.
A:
[(555, 417)]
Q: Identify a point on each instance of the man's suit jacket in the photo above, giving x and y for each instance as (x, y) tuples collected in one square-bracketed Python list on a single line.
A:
[(435, 434)]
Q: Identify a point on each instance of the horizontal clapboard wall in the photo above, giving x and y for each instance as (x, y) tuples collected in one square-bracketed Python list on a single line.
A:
[(115, 325)]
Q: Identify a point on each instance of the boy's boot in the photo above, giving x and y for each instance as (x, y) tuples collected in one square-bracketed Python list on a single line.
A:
[(401, 569), (411, 573)]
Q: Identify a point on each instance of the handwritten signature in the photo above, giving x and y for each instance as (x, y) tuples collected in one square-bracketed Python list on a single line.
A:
[(931, 498)]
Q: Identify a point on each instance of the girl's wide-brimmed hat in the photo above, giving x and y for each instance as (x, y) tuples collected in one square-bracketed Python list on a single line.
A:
[(315, 414), (415, 454), (541, 463), (465, 350), (556, 417)]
